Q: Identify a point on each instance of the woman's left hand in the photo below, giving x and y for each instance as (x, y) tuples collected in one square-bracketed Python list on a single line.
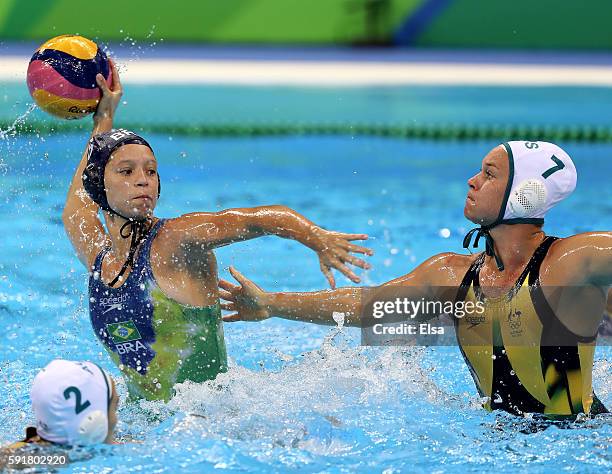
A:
[(334, 250), (110, 97)]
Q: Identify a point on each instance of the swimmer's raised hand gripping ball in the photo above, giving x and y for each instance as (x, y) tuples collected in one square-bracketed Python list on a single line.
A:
[(62, 76)]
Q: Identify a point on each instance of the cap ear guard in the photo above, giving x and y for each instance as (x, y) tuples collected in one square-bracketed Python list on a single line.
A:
[(93, 429), (93, 177), (528, 198)]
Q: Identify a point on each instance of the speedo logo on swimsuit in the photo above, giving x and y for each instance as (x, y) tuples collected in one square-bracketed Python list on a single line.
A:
[(474, 320), (113, 303), (126, 336)]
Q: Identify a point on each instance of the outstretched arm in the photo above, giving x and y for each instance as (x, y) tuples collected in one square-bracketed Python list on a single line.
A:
[(334, 249), (250, 303), (80, 216)]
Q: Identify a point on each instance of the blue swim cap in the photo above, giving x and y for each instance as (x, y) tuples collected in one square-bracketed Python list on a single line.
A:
[(101, 147)]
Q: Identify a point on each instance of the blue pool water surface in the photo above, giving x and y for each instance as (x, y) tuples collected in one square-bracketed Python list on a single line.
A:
[(297, 396)]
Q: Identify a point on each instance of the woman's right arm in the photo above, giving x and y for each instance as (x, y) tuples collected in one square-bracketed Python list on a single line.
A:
[(80, 216), (250, 303)]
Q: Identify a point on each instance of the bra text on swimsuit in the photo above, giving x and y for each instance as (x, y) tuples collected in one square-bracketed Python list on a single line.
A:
[(126, 336)]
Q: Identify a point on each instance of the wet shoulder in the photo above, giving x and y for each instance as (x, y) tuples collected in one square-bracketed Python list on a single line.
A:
[(568, 259), (169, 240), (443, 269), (178, 231), (449, 268), (175, 250), (187, 226)]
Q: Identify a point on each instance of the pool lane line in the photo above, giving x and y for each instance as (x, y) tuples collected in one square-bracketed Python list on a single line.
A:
[(440, 132)]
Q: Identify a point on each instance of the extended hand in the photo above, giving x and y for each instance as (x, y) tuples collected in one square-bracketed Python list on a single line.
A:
[(334, 250), (246, 300), (110, 97)]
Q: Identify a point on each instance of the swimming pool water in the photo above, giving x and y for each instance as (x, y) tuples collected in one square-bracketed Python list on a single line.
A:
[(373, 105), (297, 396)]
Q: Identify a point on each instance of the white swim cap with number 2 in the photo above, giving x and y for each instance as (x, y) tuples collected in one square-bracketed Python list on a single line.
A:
[(71, 402)]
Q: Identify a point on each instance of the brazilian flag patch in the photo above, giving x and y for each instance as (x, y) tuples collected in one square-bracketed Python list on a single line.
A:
[(125, 331)]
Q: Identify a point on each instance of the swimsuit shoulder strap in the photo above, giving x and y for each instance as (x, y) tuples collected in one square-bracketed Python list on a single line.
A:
[(533, 267), (547, 316), (97, 265), (145, 249), (470, 276)]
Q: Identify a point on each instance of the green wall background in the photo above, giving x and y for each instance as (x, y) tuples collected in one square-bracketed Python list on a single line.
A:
[(552, 24), (219, 21)]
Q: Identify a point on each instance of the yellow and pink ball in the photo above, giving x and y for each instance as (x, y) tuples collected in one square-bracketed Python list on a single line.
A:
[(62, 76)]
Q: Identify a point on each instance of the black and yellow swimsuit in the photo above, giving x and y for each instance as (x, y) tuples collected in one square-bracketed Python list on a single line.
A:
[(31, 437), (511, 353)]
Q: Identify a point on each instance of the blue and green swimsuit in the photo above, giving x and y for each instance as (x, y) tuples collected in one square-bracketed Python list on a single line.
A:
[(156, 341)]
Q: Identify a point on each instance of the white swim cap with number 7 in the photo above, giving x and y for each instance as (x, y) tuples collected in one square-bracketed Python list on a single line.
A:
[(541, 175), (71, 402)]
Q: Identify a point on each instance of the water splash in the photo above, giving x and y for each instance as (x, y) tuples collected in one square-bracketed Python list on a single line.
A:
[(602, 368), (310, 403), (131, 49), (12, 130)]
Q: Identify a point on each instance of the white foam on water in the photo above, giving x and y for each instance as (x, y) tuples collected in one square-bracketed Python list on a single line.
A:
[(602, 368), (312, 403)]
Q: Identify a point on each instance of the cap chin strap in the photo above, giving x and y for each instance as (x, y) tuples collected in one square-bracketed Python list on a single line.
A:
[(483, 231), (138, 229)]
